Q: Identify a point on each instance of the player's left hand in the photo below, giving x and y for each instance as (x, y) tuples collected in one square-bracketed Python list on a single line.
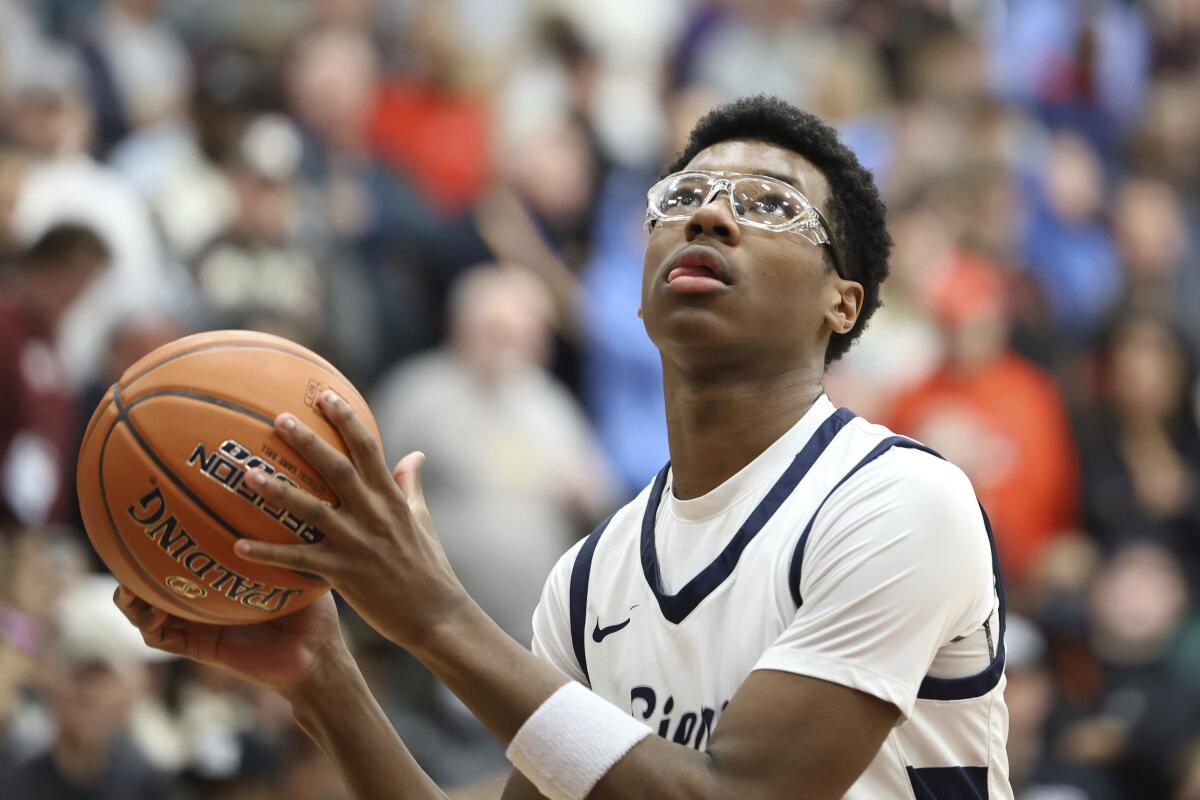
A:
[(380, 550)]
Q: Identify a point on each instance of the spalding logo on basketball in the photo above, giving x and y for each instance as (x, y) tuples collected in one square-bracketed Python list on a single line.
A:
[(161, 473)]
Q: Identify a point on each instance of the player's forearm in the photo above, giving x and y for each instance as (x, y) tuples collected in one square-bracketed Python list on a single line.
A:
[(335, 707), (498, 679), (503, 684)]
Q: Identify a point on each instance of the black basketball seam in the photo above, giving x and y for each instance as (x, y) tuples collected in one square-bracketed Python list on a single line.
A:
[(206, 398), (97, 415), (218, 346), (328, 367), (123, 414), (120, 539)]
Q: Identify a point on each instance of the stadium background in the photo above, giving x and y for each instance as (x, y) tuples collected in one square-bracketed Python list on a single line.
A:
[(445, 198)]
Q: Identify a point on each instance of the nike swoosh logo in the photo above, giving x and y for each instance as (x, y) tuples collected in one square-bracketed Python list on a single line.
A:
[(599, 634)]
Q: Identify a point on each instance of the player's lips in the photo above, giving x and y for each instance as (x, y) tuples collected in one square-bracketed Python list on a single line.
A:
[(698, 269)]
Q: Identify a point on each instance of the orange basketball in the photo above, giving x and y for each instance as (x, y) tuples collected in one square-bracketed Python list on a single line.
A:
[(162, 468)]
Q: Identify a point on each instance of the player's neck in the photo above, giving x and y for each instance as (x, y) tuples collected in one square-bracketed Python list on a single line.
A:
[(716, 428)]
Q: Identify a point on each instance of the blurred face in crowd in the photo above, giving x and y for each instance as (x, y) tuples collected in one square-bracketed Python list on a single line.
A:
[(266, 206), (552, 170), (348, 13), (49, 123), (1169, 139), (47, 291), (331, 84), (1147, 373), (1138, 602), (142, 9), (969, 303), (500, 321), (1074, 181), (1149, 226), (770, 316), (92, 701)]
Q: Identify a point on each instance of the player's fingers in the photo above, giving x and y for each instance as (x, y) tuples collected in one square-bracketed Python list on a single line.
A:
[(135, 609), (337, 470), (151, 622), (315, 512), (407, 475), (364, 448), (301, 557)]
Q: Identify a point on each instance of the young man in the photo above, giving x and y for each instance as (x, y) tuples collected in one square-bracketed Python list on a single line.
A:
[(38, 415), (800, 605)]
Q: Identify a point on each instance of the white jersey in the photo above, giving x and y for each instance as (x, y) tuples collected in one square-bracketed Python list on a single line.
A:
[(842, 552)]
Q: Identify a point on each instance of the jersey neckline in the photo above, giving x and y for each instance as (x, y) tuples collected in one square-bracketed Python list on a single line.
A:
[(762, 468), (676, 607)]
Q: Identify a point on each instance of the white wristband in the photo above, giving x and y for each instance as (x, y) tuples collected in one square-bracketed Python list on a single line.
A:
[(571, 741)]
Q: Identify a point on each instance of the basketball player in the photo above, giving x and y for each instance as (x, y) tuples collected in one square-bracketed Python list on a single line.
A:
[(800, 605)]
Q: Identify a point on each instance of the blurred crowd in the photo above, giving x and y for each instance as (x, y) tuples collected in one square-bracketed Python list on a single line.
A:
[(445, 198)]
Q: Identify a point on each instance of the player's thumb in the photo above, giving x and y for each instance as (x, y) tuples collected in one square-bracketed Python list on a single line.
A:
[(407, 475)]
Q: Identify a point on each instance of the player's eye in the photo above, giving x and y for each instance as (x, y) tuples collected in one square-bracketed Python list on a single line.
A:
[(773, 205)]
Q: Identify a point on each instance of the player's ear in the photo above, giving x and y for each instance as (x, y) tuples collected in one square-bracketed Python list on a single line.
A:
[(640, 316), (847, 302)]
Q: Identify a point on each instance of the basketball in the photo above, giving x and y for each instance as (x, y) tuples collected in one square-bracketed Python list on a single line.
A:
[(161, 472)]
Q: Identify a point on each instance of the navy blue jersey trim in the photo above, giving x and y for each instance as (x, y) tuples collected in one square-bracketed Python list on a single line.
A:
[(931, 688), (676, 607), (982, 682), (581, 573), (949, 783)]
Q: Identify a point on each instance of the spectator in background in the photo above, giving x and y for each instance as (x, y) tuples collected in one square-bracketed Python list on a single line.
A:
[(514, 474), (1068, 250), (266, 271), (429, 121), (998, 416), (37, 406), (139, 73), (1142, 447), (1080, 63), (51, 122), (622, 369), (90, 679), (409, 251), (1146, 714), (1035, 768), (37, 566), (1161, 264)]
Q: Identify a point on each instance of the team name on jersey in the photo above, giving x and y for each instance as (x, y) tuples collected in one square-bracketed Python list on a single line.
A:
[(675, 725)]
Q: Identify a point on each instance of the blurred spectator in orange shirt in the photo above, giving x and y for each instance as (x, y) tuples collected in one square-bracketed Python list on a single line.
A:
[(997, 415), (427, 123)]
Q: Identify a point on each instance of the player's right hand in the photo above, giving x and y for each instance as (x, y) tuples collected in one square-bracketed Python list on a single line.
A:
[(278, 654)]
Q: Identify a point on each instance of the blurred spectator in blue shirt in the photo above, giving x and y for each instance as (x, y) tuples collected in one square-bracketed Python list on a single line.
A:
[(1068, 249)]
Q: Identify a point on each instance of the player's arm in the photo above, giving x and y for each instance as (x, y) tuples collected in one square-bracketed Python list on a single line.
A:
[(302, 657), (782, 733)]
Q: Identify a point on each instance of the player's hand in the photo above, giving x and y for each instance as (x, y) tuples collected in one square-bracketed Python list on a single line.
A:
[(380, 550), (278, 654)]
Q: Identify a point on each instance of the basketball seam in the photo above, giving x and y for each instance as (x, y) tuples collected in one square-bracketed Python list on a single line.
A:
[(325, 365), (207, 398), (123, 415), (120, 538)]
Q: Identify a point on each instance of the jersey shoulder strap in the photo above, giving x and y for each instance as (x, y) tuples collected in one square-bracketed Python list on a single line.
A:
[(931, 688)]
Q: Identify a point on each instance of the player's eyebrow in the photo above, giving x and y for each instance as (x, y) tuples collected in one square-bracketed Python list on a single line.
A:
[(790, 180)]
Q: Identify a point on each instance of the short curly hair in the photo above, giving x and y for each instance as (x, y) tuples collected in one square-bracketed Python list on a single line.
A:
[(855, 211)]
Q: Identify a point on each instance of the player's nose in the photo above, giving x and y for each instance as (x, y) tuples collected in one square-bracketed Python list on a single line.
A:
[(715, 218)]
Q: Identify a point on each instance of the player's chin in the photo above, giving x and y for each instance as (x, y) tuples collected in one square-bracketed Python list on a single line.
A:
[(690, 323)]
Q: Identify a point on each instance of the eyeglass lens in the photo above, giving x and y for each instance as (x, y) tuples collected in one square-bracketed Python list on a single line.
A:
[(755, 200)]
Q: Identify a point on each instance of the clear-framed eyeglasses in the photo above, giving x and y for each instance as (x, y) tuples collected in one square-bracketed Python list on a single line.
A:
[(756, 200)]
